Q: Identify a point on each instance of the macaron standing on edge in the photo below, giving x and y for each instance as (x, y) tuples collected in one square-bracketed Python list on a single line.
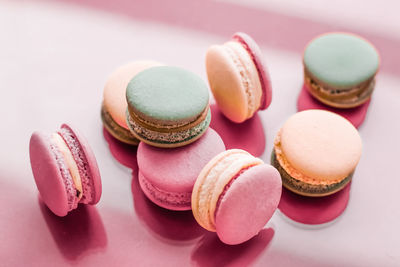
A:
[(167, 175), (113, 110), (316, 152), (238, 77), (339, 72), (167, 106), (235, 195), (65, 170)]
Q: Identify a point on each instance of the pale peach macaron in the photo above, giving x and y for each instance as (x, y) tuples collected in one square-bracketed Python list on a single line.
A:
[(238, 78), (316, 152), (113, 110)]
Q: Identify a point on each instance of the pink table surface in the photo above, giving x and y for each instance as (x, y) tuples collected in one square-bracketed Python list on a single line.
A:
[(54, 60)]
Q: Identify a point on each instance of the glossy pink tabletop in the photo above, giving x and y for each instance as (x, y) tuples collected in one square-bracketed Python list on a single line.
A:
[(54, 59)]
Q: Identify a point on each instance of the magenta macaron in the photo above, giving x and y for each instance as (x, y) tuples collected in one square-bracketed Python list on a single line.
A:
[(65, 170), (167, 176)]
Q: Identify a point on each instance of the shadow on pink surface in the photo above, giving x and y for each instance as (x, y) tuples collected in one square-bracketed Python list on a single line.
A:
[(79, 233), (248, 135), (219, 17), (169, 225), (314, 210), (210, 251), (355, 115), (123, 153)]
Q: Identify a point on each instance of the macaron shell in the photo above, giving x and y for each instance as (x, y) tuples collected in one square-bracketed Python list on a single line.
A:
[(256, 54), (47, 175), (226, 84), (248, 204), (225, 177), (176, 170), (167, 96), (321, 145), (115, 88), (355, 115), (95, 178), (205, 183), (341, 60)]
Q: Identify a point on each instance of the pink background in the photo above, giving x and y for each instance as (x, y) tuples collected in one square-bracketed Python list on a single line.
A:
[(54, 59)]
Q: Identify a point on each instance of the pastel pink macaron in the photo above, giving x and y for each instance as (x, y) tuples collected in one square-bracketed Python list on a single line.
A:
[(167, 175), (235, 195), (238, 77), (65, 170)]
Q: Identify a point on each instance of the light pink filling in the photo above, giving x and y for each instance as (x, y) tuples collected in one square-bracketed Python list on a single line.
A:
[(81, 162), (72, 193)]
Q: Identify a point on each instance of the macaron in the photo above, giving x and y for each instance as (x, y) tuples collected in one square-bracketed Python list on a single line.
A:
[(167, 176), (238, 77), (65, 170), (167, 106), (340, 69), (235, 195), (316, 152), (113, 110)]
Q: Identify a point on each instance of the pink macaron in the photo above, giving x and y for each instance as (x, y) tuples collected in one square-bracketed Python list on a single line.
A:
[(65, 170), (238, 77), (235, 195), (167, 176)]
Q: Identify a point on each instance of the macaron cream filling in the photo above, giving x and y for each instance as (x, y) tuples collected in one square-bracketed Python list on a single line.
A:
[(351, 97), (70, 163), (254, 52), (115, 129), (168, 137), (72, 192), (88, 193), (248, 73), (167, 127)]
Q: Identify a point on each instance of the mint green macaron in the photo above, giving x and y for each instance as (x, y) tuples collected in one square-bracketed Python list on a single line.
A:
[(167, 106), (340, 68)]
